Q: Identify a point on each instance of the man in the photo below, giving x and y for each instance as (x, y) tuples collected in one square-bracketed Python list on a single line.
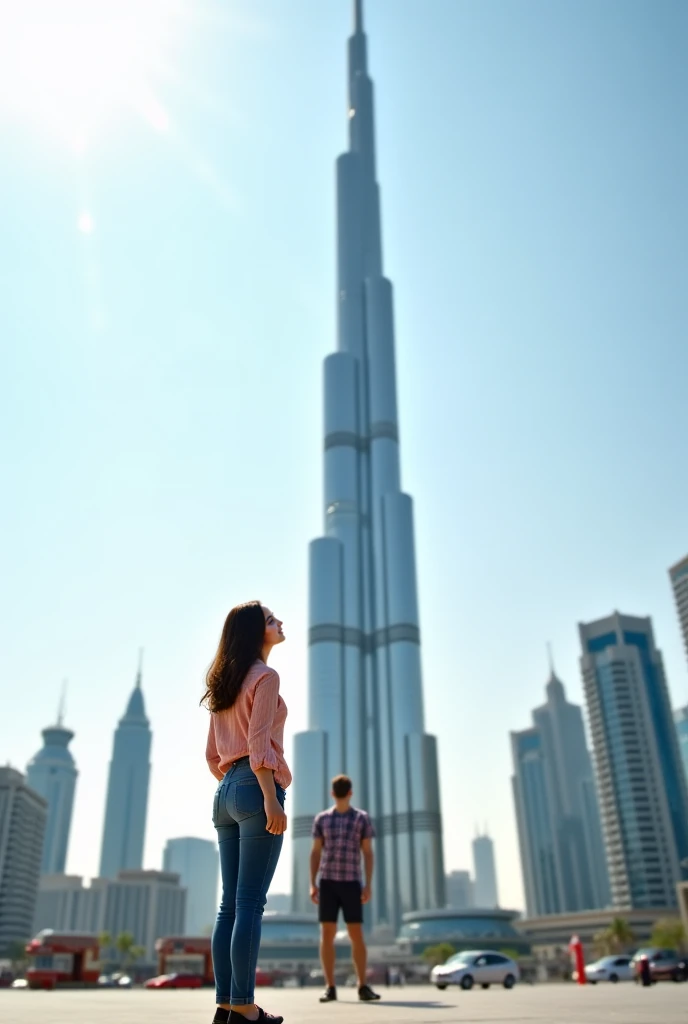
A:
[(340, 836)]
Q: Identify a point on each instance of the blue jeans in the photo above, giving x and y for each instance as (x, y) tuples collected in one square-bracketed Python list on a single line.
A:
[(248, 858)]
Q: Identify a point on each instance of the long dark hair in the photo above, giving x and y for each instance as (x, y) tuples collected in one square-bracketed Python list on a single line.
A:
[(241, 643)]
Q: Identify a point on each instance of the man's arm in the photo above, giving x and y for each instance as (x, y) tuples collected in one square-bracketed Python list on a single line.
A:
[(316, 857), (369, 864)]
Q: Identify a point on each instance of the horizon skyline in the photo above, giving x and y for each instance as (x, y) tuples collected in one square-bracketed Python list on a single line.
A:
[(161, 457)]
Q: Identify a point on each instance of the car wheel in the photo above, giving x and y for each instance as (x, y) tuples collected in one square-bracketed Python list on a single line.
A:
[(467, 983), (592, 983), (441, 987), (613, 978), (484, 986), (509, 981)]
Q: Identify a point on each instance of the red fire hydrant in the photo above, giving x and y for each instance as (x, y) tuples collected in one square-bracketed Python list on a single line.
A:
[(576, 950)]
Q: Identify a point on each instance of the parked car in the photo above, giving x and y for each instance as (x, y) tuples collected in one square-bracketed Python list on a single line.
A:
[(610, 968), (19, 983), (476, 967), (665, 964), (175, 981)]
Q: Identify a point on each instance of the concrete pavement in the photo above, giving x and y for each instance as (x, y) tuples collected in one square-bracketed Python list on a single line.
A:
[(539, 1004)]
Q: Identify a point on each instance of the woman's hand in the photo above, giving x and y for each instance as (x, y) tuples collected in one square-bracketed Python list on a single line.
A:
[(277, 819)]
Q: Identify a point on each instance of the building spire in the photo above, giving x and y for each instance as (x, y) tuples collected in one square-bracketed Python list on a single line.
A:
[(358, 16), (62, 705), (550, 659), (139, 672)]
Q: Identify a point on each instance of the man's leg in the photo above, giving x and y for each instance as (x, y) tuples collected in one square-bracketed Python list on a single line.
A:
[(328, 930), (359, 953)]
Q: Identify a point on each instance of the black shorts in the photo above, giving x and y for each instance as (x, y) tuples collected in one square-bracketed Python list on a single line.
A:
[(336, 896)]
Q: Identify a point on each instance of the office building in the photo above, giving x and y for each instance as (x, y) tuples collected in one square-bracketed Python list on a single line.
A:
[(557, 813), (458, 887), (23, 816), (485, 874), (642, 787), (196, 861), (126, 804), (678, 574)]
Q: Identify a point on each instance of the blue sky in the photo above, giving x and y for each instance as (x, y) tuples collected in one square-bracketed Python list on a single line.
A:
[(161, 419)]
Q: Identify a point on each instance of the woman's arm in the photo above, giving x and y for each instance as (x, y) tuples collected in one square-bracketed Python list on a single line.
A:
[(211, 754), (277, 819)]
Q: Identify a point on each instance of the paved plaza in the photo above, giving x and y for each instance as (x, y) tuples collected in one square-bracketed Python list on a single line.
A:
[(553, 1004)]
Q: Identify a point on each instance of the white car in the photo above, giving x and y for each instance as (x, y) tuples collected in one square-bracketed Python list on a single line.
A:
[(476, 967), (610, 968)]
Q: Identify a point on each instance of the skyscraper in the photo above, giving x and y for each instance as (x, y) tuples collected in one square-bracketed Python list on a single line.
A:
[(365, 690), (459, 890), (23, 815), (196, 861), (678, 574), (560, 840), (124, 831), (681, 720), (642, 787), (485, 886), (52, 773)]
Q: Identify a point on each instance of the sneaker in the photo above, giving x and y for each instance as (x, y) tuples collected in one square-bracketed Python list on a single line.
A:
[(366, 994), (329, 995)]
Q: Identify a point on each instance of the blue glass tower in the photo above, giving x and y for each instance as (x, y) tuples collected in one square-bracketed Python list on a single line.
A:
[(366, 715), (557, 814), (124, 832), (681, 719), (52, 774), (642, 786)]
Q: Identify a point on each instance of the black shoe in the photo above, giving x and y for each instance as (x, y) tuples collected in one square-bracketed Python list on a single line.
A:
[(329, 995), (262, 1018), (366, 994)]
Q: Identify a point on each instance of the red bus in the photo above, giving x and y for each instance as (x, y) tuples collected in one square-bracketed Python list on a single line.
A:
[(183, 954), (63, 958)]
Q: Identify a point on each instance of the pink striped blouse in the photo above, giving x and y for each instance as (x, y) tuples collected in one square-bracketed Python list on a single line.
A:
[(253, 727)]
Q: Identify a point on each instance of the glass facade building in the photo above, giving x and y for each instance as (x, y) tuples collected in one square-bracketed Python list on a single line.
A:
[(52, 773), (365, 708), (642, 786), (126, 805), (557, 812), (678, 574)]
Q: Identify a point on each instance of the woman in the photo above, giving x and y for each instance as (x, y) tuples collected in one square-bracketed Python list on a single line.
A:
[(245, 752)]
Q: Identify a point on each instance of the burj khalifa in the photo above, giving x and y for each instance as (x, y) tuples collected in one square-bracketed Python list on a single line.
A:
[(365, 707)]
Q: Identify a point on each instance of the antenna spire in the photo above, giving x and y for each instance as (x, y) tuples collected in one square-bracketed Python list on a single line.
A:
[(62, 704), (358, 16), (550, 658), (140, 669)]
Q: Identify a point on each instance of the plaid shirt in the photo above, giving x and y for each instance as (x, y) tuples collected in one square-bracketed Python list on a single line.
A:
[(342, 835)]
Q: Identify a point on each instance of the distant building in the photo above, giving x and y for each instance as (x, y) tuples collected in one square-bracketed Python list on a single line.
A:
[(485, 886), (126, 805), (557, 813), (196, 861), (23, 816), (678, 574), (458, 886), (52, 774), (149, 904), (681, 720), (642, 786)]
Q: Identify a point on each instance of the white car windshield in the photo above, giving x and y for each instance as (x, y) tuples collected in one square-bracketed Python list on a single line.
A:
[(461, 960)]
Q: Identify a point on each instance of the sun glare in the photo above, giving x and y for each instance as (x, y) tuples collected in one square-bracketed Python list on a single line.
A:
[(71, 64)]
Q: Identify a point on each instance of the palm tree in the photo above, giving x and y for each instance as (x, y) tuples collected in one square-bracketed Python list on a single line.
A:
[(669, 933), (125, 944), (615, 938)]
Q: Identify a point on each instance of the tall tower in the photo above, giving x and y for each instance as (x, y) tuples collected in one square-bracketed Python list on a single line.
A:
[(557, 813), (127, 794), (365, 689), (485, 886), (642, 787), (196, 861), (52, 774)]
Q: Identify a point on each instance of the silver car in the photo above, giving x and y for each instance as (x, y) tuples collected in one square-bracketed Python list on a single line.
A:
[(476, 967), (610, 968)]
